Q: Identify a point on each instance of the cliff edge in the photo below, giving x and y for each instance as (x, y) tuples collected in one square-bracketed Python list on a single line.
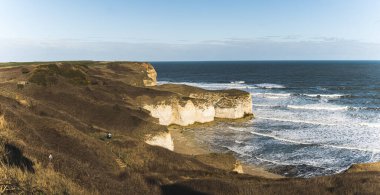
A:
[(56, 118)]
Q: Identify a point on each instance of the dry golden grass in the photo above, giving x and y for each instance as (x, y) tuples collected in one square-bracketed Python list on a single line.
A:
[(13, 180), (369, 167)]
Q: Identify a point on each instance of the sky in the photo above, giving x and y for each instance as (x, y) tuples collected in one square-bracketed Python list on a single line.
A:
[(181, 30)]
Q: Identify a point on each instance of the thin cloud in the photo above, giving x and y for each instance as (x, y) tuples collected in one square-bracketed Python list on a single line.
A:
[(229, 49)]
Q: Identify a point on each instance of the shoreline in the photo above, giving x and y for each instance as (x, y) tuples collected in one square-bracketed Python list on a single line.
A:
[(186, 144)]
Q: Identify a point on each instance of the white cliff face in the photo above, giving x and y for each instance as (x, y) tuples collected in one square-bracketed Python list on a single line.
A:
[(205, 114), (163, 140), (231, 113), (201, 105), (247, 105), (181, 115), (233, 109), (164, 113), (200, 111)]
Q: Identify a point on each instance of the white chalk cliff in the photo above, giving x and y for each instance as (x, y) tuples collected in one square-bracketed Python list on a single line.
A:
[(163, 140), (185, 105), (181, 114), (200, 106)]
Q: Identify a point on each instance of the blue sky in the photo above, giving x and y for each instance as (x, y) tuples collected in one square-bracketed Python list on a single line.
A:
[(189, 30)]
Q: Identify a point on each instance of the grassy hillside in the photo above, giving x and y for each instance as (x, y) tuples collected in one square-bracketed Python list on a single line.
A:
[(67, 108)]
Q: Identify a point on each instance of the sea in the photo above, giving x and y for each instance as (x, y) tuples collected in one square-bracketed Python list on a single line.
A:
[(312, 118)]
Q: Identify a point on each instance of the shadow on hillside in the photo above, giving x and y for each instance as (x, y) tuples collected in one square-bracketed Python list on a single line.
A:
[(179, 189), (14, 157)]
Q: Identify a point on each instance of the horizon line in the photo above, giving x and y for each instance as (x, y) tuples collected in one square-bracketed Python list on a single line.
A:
[(315, 60)]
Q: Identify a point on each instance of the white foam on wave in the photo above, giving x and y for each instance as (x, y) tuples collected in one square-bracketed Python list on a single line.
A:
[(332, 96), (237, 82), (243, 151), (352, 148), (329, 107), (374, 125), (270, 86), (237, 129), (262, 105), (297, 121), (231, 85), (365, 108), (280, 139), (286, 95), (271, 95), (272, 161), (256, 106), (238, 142), (323, 145)]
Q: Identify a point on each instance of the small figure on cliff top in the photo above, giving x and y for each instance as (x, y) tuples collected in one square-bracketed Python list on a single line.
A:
[(109, 135)]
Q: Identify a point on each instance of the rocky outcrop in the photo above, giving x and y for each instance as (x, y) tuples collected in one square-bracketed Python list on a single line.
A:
[(163, 140), (231, 104), (139, 74), (238, 168), (179, 104), (2, 122), (191, 105), (151, 75)]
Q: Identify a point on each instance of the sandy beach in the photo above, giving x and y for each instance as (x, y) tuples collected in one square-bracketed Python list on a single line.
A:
[(186, 144)]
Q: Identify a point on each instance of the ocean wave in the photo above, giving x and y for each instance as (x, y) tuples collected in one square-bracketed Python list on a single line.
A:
[(267, 106), (331, 96), (286, 95), (328, 107), (237, 82), (238, 142), (351, 148), (372, 125), (365, 108), (297, 121), (272, 95), (280, 139), (269, 86), (240, 150), (375, 125), (231, 85), (272, 161), (316, 144), (262, 105), (316, 107), (237, 128)]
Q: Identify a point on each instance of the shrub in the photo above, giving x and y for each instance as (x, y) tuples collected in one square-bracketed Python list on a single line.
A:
[(48, 74), (25, 70)]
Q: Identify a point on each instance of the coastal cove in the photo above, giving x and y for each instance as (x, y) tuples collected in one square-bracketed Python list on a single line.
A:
[(312, 118), (96, 127), (186, 141), (158, 97)]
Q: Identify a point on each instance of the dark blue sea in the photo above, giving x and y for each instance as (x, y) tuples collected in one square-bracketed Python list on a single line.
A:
[(311, 117)]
